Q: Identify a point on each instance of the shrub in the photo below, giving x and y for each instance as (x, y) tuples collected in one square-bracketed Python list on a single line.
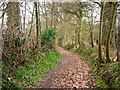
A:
[(48, 38)]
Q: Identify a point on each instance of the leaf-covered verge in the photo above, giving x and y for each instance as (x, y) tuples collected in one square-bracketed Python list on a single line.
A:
[(32, 72), (104, 76)]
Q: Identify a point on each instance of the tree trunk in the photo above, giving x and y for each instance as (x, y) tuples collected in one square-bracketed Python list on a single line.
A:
[(91, 36), (40, 34), (2, 44), (79, 30), (2, 24), (52, 14), (109, 33), (118, 40), (100, 34), (106, 19), (80, 21), (24, 18), (76, 39), (46, 16), (91, 30), (25, 31), (37, 25)]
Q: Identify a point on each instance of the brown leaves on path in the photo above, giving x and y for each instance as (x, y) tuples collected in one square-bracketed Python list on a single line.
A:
[(71, 72)]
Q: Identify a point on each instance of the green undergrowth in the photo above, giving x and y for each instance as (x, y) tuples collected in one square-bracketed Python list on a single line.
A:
[(106, 75), (32, 72)]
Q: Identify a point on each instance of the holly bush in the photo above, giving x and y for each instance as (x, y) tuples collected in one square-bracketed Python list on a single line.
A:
[(48, 37)]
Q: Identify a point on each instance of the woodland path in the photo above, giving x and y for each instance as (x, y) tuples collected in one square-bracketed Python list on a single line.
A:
[(71, 72)]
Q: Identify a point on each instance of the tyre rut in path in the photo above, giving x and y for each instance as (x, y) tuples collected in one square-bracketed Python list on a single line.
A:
[(70, 72)]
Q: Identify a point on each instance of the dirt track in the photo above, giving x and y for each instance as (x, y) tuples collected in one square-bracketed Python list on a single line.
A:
[(71, 72)]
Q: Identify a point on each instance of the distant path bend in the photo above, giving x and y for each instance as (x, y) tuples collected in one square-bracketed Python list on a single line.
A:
[(71, 72)]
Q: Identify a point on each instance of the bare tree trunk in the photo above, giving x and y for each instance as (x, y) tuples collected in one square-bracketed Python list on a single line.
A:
[(46, 15), (79, 30), (37, 26), (109, 32), (80, 21), (73, 40), (118, 40), (100, 35), (52, 13), (91, 37), (1, 43), (91, 30), (2, 24), (40, 34), (92, 41), (24, 18), (76, 41), (54, 20), (25, 30)]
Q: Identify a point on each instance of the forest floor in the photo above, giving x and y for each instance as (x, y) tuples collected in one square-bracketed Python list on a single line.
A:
[(71, 72)]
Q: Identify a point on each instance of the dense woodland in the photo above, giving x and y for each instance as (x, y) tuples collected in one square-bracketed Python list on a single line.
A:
[(30, 32)]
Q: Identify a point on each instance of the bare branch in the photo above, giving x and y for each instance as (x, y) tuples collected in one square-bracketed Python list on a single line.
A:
[(2, 15), (98, 3)]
